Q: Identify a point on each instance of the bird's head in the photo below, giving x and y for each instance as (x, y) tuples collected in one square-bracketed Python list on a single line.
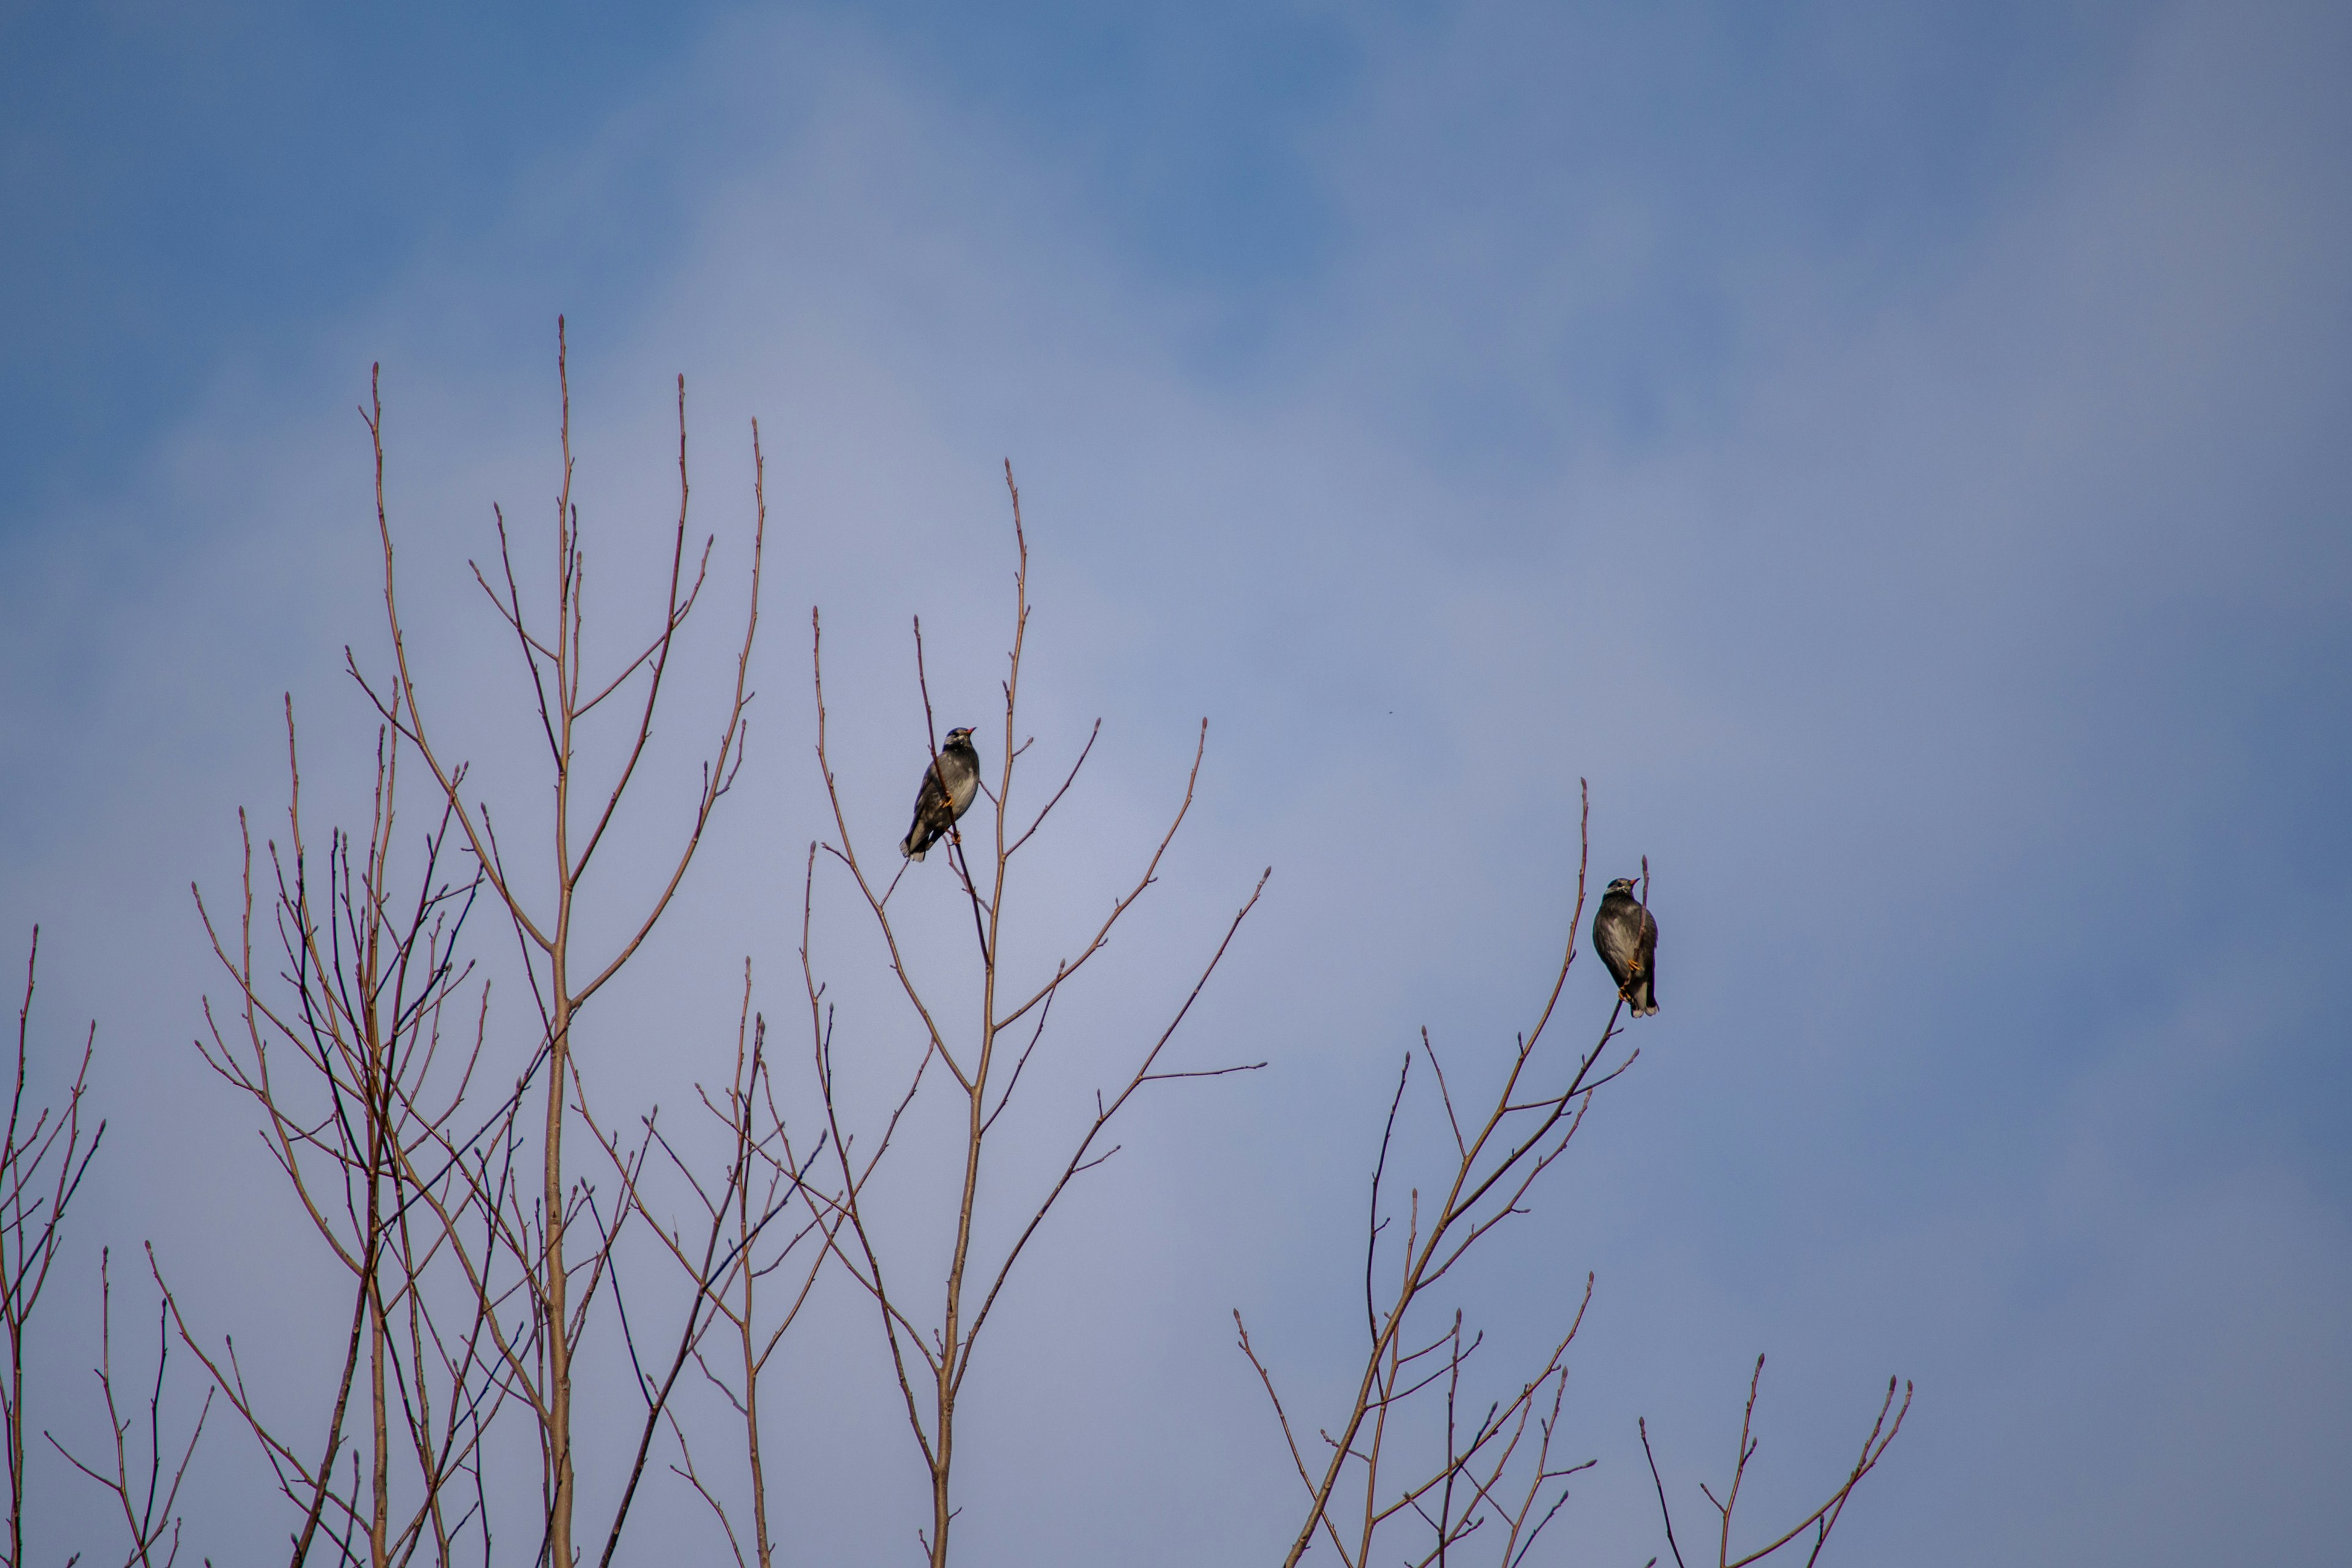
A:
[(960, 737), (1622, 884)]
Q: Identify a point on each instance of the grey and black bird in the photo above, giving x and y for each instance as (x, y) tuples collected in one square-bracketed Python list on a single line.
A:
[(949, 786), (1626, 937)]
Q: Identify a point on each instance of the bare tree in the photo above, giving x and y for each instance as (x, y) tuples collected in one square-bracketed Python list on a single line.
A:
[(427, 1148), (932, 1342), (1821, 1521), (1460, 1478), (471, 1291), (145, 1498), (341, 1052), (562, 1284), (42, 1162), (1465, 1480), (741, 1245)]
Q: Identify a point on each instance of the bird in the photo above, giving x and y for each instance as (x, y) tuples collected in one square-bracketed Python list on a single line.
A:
[(1626, 937), (949, 786)]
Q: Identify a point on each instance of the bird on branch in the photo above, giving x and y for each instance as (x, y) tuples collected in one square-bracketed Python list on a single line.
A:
[(950, 785), (1626, 937)]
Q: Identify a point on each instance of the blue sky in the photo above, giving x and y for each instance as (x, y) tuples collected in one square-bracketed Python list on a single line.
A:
[(1896, 454)]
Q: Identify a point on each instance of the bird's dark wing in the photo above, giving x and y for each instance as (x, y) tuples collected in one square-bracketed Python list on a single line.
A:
[(932, 796), (933, 815)]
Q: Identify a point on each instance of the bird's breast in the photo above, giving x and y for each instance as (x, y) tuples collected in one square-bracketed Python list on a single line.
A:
[(963, 783)]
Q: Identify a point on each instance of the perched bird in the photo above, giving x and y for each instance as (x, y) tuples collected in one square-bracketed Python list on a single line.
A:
[(1626, 937), (949, 786)]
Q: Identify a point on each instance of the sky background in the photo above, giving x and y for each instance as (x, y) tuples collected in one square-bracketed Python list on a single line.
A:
[(1896, 455)]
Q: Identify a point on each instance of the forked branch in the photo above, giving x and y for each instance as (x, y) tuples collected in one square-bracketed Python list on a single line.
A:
[(1822, 1521)]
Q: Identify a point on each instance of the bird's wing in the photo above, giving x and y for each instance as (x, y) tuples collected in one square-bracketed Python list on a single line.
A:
[(929, 792)]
